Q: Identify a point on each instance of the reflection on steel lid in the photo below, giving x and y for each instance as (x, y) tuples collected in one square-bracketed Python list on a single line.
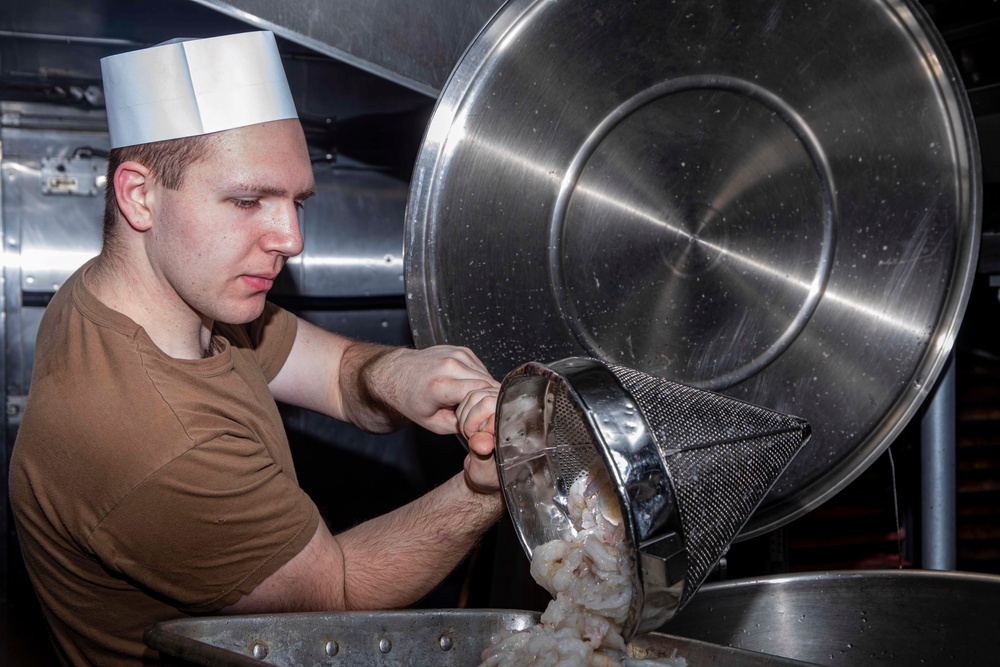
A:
[(730, 194)]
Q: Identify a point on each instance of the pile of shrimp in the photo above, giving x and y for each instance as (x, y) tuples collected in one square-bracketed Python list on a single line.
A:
[(590, 579)]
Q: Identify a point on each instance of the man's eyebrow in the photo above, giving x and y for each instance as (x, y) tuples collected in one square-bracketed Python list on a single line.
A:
[(272, 191)]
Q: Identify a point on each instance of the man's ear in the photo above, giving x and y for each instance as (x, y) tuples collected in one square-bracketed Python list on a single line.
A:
[(133, 184)]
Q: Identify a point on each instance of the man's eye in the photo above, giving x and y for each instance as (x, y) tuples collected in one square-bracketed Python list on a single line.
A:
[(246, 203), (300, 205)]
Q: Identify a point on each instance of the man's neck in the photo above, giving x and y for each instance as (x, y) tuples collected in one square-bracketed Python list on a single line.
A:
[(177, 330)]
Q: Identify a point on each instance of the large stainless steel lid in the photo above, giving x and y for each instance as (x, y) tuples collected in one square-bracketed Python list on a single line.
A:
[(778, 201)]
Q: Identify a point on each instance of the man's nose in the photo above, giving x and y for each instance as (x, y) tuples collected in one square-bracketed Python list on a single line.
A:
[(285, 234)]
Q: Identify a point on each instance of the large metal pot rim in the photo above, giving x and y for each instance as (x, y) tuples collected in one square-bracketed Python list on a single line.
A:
[(443, 140)]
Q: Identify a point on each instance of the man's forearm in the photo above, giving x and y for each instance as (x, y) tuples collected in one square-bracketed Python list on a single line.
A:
[(396, 559), (362, 402)]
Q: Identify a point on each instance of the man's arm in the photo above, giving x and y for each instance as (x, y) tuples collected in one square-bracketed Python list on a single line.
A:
[(395, 559), (378, 388), (390, 561)]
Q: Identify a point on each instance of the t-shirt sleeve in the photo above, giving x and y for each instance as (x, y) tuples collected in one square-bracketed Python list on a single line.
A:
[(209, 526), (270, 337)]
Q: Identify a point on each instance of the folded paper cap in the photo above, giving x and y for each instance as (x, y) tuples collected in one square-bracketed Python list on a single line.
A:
[(185, 88)]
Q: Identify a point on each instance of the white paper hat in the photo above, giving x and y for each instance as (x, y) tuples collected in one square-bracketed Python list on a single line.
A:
[(184, 88)]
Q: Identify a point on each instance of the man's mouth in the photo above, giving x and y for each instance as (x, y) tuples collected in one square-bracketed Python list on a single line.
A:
[(259, 283)]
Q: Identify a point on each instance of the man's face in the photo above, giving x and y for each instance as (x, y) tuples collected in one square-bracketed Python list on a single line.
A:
[(219, 241)]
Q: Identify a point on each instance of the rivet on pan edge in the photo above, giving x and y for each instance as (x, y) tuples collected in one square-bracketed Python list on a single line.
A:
[(258, 650), (384, 645), (445, 642), (332, 648)]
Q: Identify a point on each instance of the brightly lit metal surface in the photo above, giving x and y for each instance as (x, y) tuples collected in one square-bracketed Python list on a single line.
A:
[(778, 201), (855, 618)]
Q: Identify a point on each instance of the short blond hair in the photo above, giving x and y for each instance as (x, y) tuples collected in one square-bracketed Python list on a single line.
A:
[(166, 160)]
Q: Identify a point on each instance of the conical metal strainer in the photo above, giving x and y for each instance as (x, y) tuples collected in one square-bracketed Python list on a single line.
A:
[(688, 467)]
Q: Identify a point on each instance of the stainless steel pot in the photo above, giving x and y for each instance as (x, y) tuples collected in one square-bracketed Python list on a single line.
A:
[(778, 201), (388, 639), (856, 619)]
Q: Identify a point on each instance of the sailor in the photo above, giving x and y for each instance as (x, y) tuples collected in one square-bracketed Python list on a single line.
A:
[(151, 477)]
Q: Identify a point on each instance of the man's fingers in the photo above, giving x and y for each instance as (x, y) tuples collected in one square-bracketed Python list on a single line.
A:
[(475, 410), (481, 445), (481, 474)]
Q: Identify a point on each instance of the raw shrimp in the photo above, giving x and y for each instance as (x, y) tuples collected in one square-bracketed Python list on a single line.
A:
[(590, 578)]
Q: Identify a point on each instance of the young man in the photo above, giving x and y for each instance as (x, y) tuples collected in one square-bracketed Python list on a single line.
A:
[(151, 477)]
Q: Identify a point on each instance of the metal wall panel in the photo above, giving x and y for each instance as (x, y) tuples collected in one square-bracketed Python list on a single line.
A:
[(415, 44), (352, 231), (46, 232)]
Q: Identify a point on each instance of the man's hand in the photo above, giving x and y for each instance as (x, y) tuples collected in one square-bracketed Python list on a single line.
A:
[(379, 388), (426, 386), (445, 389), (477, 422)]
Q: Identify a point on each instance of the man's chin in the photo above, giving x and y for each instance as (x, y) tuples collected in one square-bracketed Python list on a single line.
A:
[(248, 312)]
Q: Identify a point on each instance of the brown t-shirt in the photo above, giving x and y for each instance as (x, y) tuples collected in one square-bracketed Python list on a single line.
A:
[(144, 487)]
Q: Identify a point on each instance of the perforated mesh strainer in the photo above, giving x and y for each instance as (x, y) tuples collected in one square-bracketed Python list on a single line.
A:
[(688, 466)]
